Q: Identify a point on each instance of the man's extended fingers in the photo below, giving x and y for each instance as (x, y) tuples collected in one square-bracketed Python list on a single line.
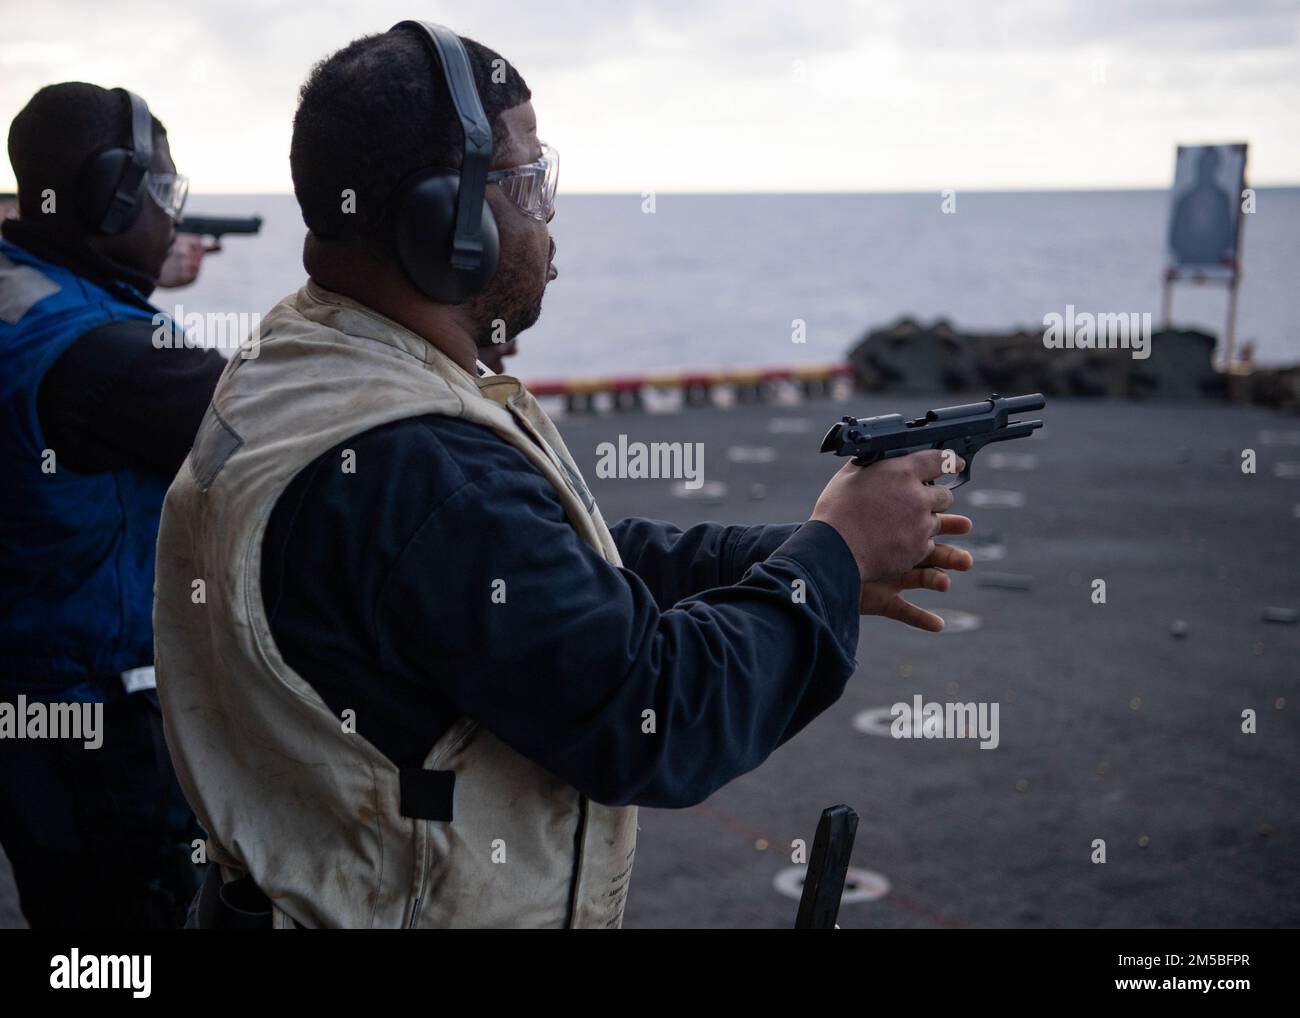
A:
[(909, 614), (925, 578), (950, 523), (929, 464), (945, 556)]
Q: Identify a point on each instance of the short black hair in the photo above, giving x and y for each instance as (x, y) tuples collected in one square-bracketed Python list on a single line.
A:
[(57, 131), (372, 114)]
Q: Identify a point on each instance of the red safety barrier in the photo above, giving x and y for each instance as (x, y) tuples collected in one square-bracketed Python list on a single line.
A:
[(687, 381)]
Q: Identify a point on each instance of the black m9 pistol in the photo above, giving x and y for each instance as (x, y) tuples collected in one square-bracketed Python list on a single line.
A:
[(963, 429)]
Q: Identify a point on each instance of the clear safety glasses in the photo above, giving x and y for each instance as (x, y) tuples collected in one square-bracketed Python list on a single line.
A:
[(532, 187), (169, 190)]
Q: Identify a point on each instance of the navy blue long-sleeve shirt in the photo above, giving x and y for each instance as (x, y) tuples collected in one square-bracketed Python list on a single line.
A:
[(443, 579)]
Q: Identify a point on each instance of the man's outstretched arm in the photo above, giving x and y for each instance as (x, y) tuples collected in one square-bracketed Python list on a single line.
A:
[(564, 665), (675, 563), (442, 578)]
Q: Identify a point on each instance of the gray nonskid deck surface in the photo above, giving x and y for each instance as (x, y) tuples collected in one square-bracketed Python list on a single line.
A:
[(1110, 726)]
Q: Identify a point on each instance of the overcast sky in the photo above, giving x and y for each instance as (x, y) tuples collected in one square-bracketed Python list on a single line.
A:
[(725, 95)]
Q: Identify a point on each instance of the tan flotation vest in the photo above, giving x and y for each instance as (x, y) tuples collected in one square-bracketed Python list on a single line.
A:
[(311, 811)]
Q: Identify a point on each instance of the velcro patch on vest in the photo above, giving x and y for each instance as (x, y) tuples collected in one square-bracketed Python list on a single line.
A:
[(21, 288), (426, 795), (215, 443)]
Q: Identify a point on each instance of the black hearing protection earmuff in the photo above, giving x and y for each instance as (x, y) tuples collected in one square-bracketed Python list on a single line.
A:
[(111, 182), (444, 231)]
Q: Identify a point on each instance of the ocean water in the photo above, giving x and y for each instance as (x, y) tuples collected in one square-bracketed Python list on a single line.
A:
[(715, 281)]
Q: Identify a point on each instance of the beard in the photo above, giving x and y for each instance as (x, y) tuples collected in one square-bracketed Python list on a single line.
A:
[(514, 297)]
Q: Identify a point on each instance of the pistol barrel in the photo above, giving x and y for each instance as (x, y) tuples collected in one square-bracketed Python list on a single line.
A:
[(1019, 404)]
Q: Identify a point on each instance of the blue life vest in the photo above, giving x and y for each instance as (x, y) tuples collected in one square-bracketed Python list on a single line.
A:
[(76, 550)]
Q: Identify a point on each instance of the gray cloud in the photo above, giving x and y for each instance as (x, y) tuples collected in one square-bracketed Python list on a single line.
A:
[(691, 88)]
